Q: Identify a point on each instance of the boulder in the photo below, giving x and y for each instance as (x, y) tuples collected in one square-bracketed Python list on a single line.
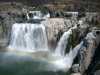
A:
[(76, 74), (97, 72), (88, 50), (55, 28)]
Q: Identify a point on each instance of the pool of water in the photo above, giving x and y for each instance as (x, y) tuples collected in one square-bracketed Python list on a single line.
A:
[(12, 63)]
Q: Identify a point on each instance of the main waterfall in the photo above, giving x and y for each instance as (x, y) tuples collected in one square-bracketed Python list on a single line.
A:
[(27, 36)]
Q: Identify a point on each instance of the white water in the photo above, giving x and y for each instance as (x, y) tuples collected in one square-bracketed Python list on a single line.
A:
[(60, 49), (66, 62), (32, 37), (37, 15), (26, 36)]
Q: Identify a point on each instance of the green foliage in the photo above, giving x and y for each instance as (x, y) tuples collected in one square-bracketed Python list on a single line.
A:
[(1, 29), (75, 36), (98, 25), (73, 40), (69, 45), (43, 9)]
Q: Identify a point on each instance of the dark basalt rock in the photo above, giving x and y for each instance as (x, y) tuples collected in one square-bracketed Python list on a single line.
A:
[(95, 63), (38, 21)]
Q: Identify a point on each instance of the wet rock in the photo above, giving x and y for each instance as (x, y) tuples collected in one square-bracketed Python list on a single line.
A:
[(95, 63), (56, 26), (88, 50), (3, 44), (75, 68), (76, 74), (97, 72)]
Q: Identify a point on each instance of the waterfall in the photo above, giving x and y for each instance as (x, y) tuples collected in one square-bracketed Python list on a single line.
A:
[(25, 36), (60, 49), (61, 46), (32, 37), (37, 15), (66, 62)]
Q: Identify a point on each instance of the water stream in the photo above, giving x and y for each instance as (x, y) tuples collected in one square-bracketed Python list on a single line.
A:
[(29, 42), (28, 37)]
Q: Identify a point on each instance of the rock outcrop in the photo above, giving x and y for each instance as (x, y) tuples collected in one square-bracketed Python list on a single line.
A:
[(88, 50), (55, 28)]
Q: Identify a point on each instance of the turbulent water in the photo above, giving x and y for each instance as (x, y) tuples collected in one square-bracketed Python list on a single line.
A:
[(60, 49), (37, 15), (32, 37), (28, 37), (61, 46)]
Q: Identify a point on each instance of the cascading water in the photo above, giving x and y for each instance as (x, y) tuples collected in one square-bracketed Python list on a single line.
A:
[(32, 37), (66, 62), (60, 49), (28, 37), (37, 15)]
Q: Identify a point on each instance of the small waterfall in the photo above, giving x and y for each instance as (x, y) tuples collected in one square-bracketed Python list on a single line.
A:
[(37, 15), (27, 36), (60, 49), (66, 62), (75, 50)]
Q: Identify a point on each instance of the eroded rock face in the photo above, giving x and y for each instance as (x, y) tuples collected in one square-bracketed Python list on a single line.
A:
[(87, 52), (6, 22), (55, 28), (97, 72)]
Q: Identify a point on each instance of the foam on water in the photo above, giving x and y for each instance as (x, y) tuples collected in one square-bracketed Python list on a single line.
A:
[(26, 36)]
